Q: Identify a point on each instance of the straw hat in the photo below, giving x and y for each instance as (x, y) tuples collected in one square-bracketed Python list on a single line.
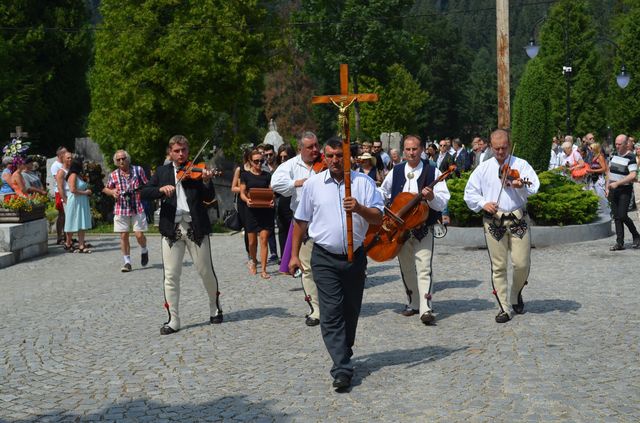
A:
[(368, 156)]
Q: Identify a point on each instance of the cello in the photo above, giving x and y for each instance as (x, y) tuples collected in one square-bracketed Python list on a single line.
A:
[(408, 211)]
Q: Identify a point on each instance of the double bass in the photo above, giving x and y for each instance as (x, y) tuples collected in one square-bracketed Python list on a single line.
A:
[(408, 211)]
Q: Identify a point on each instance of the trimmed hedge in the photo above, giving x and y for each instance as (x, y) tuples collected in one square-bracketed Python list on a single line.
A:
[(559, 202)]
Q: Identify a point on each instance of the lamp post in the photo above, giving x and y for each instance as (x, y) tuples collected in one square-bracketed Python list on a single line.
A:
[(532, 50)]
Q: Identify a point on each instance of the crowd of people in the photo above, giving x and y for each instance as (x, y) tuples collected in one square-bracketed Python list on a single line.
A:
[(307, 203)]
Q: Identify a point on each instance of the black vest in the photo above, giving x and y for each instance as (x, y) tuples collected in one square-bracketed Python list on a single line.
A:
[(426, 177)]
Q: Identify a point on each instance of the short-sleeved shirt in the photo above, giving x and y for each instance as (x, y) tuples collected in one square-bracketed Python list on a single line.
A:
[(621, 166), (321, 206), (55, 167), (128, 202)]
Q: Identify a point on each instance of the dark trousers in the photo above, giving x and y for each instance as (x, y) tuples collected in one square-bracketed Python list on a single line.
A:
[(620, 198), (340, 286)]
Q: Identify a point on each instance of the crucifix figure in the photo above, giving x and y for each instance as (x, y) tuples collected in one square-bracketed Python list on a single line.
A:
[(19, 134), (342, 101)]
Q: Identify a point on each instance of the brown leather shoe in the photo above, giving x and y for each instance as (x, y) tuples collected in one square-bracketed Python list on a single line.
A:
[(408, 311)]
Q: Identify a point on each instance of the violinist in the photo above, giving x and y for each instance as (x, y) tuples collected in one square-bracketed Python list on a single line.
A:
[(287, 180), (416, 175), (184, 224), (499, 187)]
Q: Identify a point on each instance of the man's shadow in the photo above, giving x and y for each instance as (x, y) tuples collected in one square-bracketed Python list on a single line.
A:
[(446, 308), (466, 283), (370, 363)]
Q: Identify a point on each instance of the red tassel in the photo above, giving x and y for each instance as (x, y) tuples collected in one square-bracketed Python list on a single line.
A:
[(494, 292), (217, 293), (307, 298), (166, 305), (428, 296)]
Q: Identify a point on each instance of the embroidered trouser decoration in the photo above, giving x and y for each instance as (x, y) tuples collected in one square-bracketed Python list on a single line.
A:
[(514, 241), (308, 283)]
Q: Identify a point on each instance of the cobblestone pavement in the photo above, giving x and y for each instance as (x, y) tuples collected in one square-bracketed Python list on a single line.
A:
[(80, 342)]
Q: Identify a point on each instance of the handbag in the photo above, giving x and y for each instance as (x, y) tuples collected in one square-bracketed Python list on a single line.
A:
[(231, 218), (581, 172)]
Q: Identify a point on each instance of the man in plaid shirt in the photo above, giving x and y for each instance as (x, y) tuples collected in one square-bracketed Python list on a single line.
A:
[(124, 184)]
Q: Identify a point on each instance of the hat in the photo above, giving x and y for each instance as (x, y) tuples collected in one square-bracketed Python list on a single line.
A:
[(368, 156)]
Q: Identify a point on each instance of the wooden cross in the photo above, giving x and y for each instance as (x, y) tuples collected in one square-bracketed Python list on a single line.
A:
[(342, 101), (19, 133)]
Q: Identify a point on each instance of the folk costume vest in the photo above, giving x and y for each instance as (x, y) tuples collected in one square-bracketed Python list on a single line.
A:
[(426, 177)]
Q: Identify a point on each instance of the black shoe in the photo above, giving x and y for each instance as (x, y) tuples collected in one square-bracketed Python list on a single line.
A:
[(636, 242), (342, 381), (126, 268), (144, 258), (311, 321), (428, 318), (518, 308), (408, 311), (167, 330), (216, 320), (502, 317), (616, 247)]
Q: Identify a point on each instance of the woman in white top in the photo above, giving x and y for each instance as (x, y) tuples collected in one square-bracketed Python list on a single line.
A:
[(570, 158)]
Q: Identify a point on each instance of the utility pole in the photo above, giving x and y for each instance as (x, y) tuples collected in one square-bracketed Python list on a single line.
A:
[(502, 38)]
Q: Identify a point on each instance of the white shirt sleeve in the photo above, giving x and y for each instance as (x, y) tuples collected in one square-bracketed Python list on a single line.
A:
[(304, 211), (441, 194), (281, 181), (385, 187), (473, 192)]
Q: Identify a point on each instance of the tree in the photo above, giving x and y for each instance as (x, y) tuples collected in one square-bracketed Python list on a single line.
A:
[(532, 128), (44, 56), (480, 113), (624, 105), (165, 67), (399, 101), (570, 22), (368, 35)]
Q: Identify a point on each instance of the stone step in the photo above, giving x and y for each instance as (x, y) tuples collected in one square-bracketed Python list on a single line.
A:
[(7, 259), (24, 240)]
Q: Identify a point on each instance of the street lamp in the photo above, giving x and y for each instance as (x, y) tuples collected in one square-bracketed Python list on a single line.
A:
[(532, 50)]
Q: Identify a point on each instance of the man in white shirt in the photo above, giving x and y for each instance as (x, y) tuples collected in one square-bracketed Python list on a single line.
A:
[(287, 180), (416, 176), (506, 226), (322, 212)]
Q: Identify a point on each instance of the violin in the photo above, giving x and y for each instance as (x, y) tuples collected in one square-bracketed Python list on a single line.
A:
[(319, 164), (408, 211), (510, 175), (193, 171)]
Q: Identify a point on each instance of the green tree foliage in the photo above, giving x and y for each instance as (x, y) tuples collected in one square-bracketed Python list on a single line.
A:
[(367, 35), (570, 24), (480, 112), (164, 67), (441, 66), (44, 55), (624, 105), (531, 124), (399, 101)]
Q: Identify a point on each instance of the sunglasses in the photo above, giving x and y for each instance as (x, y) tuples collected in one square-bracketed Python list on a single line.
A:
[(256, 161), (268, 154), (119, 159)]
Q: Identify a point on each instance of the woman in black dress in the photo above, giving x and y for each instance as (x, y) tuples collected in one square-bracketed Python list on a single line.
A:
[(258, 221)]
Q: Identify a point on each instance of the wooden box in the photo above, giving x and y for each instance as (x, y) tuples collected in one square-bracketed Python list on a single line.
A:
[(261, 198)]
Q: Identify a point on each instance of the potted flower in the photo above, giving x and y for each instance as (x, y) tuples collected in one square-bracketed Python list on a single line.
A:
[(17, 209)]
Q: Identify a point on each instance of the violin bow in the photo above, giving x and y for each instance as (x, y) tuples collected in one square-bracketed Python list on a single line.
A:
[(505, 174), (188, 169)]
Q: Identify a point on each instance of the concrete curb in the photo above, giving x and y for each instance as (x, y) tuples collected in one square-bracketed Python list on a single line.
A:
[(542, 236)]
